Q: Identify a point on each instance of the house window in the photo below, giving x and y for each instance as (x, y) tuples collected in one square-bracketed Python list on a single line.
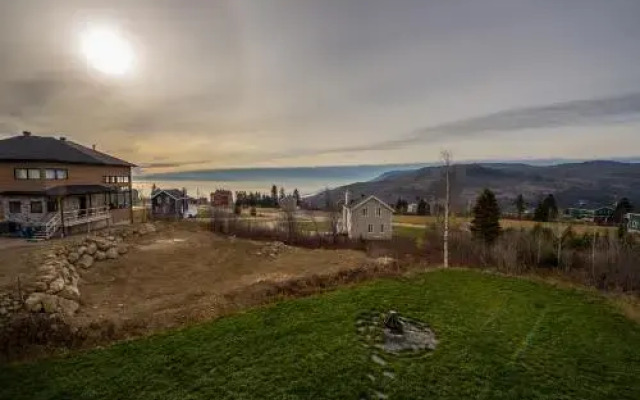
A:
[(379, 212), (51, 174), (20, 173), (370, 228), (33, 173), (364, 211), (36, 207), (62, 174), (382, 228), (15, 207)]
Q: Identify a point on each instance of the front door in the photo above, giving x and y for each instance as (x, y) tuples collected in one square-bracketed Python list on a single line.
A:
[(83, 205)]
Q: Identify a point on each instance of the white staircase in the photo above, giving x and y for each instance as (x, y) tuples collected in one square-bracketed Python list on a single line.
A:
[(46, 230)]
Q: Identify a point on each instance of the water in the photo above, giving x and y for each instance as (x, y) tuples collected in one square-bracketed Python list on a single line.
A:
[(306, 179)]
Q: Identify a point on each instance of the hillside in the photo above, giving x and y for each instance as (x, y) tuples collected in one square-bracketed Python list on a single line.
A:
[(597, 182)]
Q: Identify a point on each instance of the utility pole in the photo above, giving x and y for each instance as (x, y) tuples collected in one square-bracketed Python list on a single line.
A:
[(446, 158)]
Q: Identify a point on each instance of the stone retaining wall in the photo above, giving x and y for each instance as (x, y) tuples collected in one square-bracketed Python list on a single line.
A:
[(54, 288)]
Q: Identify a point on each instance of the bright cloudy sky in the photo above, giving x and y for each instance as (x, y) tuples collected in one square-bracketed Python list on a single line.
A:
[(216, 84)]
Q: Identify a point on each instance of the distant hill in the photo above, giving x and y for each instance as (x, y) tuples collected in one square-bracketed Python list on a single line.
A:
[(595, 182)]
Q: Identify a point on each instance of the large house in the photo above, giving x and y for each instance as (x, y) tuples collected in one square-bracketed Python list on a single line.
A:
[(370, 219), (51, 186)]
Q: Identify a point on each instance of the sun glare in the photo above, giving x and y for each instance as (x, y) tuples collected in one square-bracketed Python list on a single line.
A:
[(107, 51)]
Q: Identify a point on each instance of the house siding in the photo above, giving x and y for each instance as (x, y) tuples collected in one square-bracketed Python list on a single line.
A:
[(76, 175), (359, 223)]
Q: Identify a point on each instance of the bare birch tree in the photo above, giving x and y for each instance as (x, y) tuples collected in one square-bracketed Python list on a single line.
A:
[(446, 159)]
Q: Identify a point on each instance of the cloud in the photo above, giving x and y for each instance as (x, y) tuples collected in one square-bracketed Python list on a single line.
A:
[(172, 164), (572, 113)]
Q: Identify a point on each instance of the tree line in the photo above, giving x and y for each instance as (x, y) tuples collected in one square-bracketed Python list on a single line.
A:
[(246, 199)]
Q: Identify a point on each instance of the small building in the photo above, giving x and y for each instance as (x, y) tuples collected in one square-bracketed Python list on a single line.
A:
[(412, 208), (582, 214), (603, 215), (169, 203), (51, 186), (222, 199), (633, 222), (370, 219)]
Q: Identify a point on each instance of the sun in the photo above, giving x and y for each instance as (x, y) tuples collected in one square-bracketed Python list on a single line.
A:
[(107, 51)]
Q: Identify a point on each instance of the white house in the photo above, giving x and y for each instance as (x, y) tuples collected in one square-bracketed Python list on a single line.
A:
[(412, 208), (369, 219)]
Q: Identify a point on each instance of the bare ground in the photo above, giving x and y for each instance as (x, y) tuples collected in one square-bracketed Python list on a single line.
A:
[(181, 275)]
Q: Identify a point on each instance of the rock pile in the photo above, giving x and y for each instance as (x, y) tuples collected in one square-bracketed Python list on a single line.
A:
[(272, 249), (55, 288)]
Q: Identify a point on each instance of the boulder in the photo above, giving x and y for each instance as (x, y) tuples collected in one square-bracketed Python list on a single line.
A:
[(49, 303), (56, 285), (73, 257), (68, 307), (82, 249), (66, 274), (70, 293), (100, 255), (122, 248), (86, 261), (102, 244), (112, 253), (33, 303), (47, 269), (111, 238), (40, 286), (92, 248)]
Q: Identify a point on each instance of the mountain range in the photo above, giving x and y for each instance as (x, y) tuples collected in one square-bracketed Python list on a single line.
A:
[(592, 183)]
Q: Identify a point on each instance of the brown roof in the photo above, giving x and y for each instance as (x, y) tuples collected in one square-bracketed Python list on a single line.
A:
[(50, 149)]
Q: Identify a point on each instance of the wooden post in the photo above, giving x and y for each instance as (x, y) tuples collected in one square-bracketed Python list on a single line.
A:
[(61, 208), (130, 197)]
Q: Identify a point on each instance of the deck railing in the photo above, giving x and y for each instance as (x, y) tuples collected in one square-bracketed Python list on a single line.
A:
[(82, 216)]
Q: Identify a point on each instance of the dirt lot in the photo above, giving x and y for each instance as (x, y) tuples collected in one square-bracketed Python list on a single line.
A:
[(182, 274)]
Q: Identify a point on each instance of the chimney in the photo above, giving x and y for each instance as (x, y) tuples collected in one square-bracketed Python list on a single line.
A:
[(93, 146), (26, 133), (63, 138)]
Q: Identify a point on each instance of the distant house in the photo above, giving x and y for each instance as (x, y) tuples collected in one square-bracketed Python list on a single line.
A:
[(370, 218), (603, 215), (412, 208), (579, 213), (222, 199), (633, 222), (166, 203)]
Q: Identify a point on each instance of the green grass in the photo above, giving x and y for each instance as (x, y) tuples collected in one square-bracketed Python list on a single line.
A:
[(409, 231), (500, 338)]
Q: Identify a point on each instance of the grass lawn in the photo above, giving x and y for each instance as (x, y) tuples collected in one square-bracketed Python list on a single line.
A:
[(500, 338), (578, 227)]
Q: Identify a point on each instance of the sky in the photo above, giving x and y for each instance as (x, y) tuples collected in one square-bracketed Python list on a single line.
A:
[(239, 83)]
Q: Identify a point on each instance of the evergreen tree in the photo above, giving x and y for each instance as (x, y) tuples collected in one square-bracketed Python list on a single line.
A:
[(547, 210), (296, 195), (541, 214), (423, 207), (623, 207), (281, 193), (274, 195), (520, 205), (551, 207), (486, 217)]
